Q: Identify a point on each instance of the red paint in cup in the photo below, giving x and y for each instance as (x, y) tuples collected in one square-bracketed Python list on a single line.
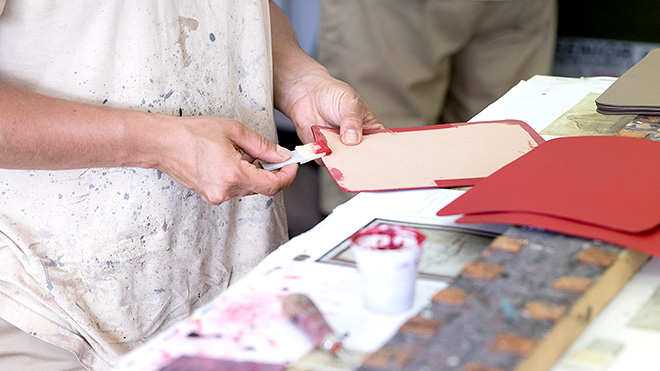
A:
[(388, 237)]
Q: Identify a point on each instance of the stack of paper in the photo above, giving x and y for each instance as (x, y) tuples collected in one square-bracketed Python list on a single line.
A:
[(604, 188), (636, 92), (451, 155)]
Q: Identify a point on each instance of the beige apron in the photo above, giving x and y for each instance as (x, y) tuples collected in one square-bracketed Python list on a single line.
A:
[(99, 260)]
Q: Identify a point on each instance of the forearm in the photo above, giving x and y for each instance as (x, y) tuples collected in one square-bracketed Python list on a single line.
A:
[(39, 132), (290, 62)]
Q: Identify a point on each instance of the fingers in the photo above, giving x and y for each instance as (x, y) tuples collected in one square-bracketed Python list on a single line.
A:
[(270, 182), (257, 146), (355, 117), (350, 129), (213, 157), (320, 99), (246, 178)]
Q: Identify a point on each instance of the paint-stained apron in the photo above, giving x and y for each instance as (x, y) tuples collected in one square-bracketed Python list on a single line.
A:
[(99, 260)]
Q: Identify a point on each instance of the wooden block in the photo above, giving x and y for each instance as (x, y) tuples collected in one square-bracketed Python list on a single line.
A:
[(452, 296), (393, 357), (512, 344), (422, 327), (597, 257), (572, 284), (512, 245), (631, 133), (590, 304), (540, 311), (476, 366), (482, 271)]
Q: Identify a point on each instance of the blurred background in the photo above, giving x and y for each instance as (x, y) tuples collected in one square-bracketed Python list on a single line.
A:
[(594, 38)]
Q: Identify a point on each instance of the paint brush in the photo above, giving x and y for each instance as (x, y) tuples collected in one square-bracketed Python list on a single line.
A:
[(302, 312), (300, 155)]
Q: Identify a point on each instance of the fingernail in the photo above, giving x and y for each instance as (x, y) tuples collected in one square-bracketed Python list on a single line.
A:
[(350, 137), (283, 151)]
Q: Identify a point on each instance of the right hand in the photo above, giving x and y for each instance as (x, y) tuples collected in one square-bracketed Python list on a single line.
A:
[(203, 156)]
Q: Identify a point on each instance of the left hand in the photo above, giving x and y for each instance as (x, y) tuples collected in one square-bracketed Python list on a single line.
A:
[(319, 99)]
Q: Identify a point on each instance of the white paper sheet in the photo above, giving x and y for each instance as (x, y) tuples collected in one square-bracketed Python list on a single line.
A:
[(268, 337), (542, 99)]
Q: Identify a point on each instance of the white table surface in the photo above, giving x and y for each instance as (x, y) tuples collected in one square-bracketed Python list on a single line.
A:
[(247, 323)]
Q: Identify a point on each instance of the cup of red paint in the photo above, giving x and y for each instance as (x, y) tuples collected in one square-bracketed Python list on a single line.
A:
[(387, 258)]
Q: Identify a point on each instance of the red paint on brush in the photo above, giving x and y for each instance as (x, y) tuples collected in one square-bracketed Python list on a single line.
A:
[(388, 237), (321, 147)]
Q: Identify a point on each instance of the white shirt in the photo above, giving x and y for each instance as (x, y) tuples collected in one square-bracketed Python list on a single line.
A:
[(99, 260)]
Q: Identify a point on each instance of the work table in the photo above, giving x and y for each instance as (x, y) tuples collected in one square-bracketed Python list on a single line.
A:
[(246, 324)]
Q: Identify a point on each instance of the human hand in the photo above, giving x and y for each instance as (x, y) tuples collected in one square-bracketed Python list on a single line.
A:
[(306, 93), (319, 99), (203, 156), (200, 153)]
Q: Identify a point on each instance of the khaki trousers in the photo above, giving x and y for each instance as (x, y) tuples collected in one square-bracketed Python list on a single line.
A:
[(421, 62), (20, 351)]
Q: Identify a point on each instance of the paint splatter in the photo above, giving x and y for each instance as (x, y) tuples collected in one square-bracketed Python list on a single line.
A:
[(205, 363), (336, 174), (186, 25)]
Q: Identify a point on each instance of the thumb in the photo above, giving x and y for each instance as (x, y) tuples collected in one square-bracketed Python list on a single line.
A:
[(351, 120), (350, 129), (259, 147)]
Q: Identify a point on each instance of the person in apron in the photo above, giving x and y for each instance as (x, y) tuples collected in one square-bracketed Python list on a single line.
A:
[(129, 194)]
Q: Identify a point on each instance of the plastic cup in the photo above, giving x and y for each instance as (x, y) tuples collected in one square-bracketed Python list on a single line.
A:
[(387, 258)]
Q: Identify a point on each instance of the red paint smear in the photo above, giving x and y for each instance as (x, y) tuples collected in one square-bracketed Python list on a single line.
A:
[(392, 237), (245, 312), (336, 174), (165, 356), (321, 147), (186, 363)]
